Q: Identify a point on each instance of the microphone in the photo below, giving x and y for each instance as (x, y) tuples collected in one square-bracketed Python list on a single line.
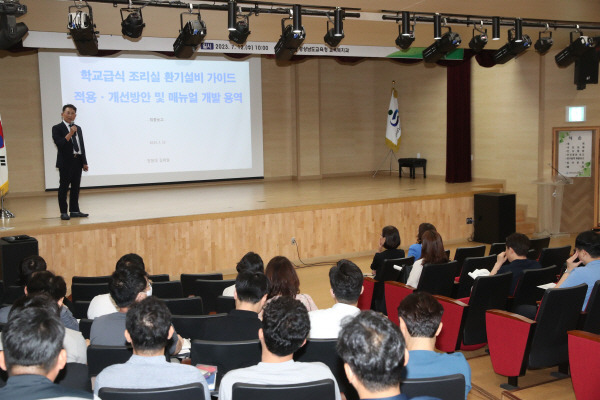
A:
[(70, 126)]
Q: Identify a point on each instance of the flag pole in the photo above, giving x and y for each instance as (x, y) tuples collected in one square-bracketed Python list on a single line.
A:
[(390, 154)]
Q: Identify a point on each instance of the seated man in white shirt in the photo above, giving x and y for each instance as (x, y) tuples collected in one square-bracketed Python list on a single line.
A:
[(285, 328), (346, 281)]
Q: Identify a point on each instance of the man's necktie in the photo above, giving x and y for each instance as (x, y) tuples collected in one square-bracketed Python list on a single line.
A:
[(73, 140)]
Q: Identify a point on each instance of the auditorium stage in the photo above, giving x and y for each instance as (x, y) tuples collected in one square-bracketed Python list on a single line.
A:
[(205, 227)]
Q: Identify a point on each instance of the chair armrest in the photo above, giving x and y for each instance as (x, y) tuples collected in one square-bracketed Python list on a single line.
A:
[(585, 335), (509, 336), (453, 320)]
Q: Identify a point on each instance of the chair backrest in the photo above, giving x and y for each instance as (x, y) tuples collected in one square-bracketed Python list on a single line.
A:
[(471, 264), (438, 278), (389, 273), (449, 387), (12, 293), (527, 291), (537, 244), (497, 248), (209, 290), (324, 350), (584, 361), (192, 326), (489, 292), (75, 376), (322, 390), (592, 318), (225, 355), (225, 304), (187, 281), (554, 256), (167, 290), (90, 279), (85, 327), (366, 297), (192, 391), (80, 308), (453, 320), (87, 291), (463, 253), (159, 278), (185, 306), (558, 313), (100, 357), (395, 292)]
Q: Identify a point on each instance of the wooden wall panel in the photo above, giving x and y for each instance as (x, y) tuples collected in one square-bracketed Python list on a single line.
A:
[(217, 244)]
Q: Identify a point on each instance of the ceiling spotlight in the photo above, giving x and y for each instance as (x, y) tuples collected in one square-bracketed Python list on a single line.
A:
[(405, 35), (511, 49), (132, 25), (574, 50), (334, 36), (518, 30), (288, 43), (82, 29), (478, 42), (495, 28), (190, 35), (11, 32), (437, 26), (297, 19), (543, 43), (448, 42), (238, 25)]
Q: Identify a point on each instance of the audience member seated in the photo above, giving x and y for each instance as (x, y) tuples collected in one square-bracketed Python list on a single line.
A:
[(415, 249), (74, 342), (346, 281), (374, 354), (388, 249), (250, 262), (104, 304), (128, 285), (421, 322), (587, 252), (33, 354), (517, 246), (283, 281), (432, 252), (55, 286), (250, 295), (285, 328), (28, 266), (148, 328)]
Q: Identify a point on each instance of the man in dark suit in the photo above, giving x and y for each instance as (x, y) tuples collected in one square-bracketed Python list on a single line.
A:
[(70, 161)]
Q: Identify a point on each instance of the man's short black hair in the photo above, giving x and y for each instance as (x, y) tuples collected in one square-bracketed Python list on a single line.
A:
[(373, 347), (346, 280), (590, 242), (47, 282), (421, 313), (131, 260), (125, 284), (28, 266), (251, 287), (69, 106), (148, 323), (392, 237), (519, 243), (285, 325), (32, 337), (40, 300), (250, 262)]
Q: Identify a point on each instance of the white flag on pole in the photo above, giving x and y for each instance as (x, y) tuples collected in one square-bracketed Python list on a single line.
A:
[(393, 131)]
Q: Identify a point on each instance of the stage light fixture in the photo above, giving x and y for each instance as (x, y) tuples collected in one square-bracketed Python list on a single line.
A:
[(132, 25), (288, 43), (83, 30), (237, 24), (231, 15), (405, 35), (334, 36), (511, 49), (518, 30), (544, 43), (495, 28), (437, 26), (190, 35), (297, 20), (478, 42), (11, 31), (574, 50), (448, 42)]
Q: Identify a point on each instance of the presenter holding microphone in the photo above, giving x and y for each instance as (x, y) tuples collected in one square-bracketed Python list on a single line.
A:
[(70, 161)]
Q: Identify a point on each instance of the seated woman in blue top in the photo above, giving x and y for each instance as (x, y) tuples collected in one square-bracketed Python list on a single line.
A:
[(415, 249), (388, 249)]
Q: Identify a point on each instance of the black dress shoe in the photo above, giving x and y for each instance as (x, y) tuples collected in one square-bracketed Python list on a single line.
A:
[(78, 214), (65, 216)]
